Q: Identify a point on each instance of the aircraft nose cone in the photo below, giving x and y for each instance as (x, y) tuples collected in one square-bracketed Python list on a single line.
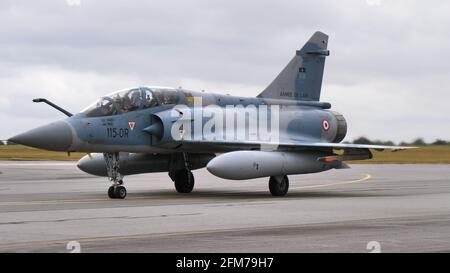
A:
[(56, 136)]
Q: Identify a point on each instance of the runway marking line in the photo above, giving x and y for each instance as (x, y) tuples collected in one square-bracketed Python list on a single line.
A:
[(68, 201), (84, 201), (365, 178)]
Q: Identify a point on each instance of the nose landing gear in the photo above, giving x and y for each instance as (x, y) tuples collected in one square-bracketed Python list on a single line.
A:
[(117, 190)]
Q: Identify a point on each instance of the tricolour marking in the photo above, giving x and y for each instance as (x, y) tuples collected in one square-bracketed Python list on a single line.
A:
[(325, 125)]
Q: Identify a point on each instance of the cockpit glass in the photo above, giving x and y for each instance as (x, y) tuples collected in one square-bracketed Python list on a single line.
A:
[(149, 99), (129, 100)]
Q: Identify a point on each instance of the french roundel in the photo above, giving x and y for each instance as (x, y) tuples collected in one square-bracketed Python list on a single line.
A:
[(325, 125)]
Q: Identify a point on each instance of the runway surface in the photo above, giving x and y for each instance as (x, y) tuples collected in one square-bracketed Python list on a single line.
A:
[(404, 208)]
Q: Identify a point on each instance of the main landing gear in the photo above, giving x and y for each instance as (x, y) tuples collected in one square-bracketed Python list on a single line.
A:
[(279, 185), (184, 181), (183, 178), (117, 190)]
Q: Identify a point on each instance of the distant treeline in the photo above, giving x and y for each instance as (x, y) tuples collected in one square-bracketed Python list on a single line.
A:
[(417, 142)]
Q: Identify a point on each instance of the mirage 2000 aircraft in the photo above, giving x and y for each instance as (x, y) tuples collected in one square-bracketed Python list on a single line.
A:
[(285, 130)]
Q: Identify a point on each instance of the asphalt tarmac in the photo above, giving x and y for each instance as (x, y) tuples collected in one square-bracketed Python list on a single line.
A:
[(390, 208)]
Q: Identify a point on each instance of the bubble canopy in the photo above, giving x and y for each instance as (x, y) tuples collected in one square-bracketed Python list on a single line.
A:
[(128, 100)]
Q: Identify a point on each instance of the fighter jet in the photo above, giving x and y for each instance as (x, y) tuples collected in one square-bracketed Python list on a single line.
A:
[(285, 130)]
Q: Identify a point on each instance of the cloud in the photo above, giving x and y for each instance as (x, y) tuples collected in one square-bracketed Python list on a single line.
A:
[(387, 71), (373, 2), (70, 89)]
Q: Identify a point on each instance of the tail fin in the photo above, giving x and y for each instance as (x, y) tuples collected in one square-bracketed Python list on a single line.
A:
[(301, 79)]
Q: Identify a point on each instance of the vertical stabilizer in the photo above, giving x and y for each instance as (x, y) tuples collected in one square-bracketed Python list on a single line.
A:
[(301, 79)]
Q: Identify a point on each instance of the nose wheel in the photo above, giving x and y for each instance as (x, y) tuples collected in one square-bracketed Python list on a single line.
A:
[(117, 192)]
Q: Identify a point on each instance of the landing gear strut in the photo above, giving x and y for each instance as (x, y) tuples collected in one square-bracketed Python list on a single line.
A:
[(279, 185), (117, 190), (183, 178)]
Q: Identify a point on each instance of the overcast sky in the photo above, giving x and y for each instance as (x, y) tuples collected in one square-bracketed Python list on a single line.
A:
[(388, 73)]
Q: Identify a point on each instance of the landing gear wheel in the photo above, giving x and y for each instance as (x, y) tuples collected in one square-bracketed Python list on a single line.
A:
[(111, 192), (117, 190), (278, 188), (184, 181), (120, 192)]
